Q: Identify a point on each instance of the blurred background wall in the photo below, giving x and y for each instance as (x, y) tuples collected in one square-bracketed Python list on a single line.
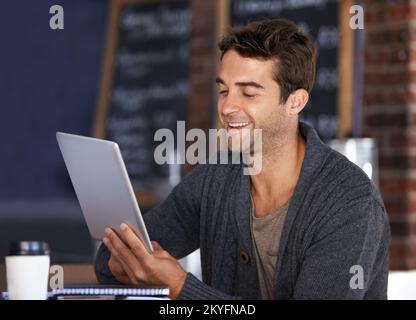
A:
[(48, 82), (389, 115)]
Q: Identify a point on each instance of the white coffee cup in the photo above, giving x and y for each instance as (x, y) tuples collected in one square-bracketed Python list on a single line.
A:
[(27, 269)]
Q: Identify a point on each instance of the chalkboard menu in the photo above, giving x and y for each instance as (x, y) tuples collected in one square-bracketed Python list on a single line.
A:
[(145, 82), (320, 19)]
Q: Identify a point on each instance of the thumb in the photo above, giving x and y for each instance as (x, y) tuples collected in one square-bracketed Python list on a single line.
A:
[(159, 251), (156, 246)]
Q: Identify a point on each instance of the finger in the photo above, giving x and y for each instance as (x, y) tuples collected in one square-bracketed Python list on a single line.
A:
[(119, 249), (125, 255), (115, 265), (124, 266), (129, 273), (119, 272), (122, 270), (134, 242), (156, 246), (125, 279), (159, 251)]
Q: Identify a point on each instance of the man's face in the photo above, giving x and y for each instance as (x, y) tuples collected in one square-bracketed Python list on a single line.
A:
[(249, 99)]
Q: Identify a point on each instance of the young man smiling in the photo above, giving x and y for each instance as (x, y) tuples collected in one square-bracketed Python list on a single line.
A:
[(293, 231)]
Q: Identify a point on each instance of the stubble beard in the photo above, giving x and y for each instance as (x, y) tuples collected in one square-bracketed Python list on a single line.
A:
[(275, 136)]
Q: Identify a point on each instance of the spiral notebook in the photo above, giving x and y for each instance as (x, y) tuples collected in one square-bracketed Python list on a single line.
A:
[(111, 291)]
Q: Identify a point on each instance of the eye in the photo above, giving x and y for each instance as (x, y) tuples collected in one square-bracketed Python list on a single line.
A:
[(249, 95), (223, 92)]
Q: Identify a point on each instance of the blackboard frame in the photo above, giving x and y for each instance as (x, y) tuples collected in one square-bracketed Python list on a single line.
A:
[(146, 199), (345, 63)]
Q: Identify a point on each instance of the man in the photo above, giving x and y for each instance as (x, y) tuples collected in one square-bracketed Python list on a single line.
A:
[(310, 225)]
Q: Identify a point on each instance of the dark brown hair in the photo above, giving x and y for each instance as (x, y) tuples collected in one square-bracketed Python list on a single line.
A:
[(281, 40)]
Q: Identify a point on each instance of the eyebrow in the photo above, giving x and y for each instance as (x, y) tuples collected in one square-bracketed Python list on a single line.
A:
[(241, 83)]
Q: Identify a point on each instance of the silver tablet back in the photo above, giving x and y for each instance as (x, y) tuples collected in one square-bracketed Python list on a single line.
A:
[(102, 185)]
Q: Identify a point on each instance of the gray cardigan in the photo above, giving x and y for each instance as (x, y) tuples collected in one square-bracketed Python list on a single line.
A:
[(336, 220)]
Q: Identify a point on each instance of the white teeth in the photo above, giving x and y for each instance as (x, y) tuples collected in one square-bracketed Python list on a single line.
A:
[(237, 124)]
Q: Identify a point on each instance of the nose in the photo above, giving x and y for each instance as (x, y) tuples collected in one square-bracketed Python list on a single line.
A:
[(227, 106)]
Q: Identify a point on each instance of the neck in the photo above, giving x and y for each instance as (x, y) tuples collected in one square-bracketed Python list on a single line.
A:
[(281, 165)]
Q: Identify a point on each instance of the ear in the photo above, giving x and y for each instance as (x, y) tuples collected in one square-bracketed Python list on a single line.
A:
[(297, 101)]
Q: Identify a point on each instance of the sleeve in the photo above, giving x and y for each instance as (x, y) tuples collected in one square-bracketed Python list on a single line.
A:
[(174, 223), (348, 257), (194, 289), (102, 271)]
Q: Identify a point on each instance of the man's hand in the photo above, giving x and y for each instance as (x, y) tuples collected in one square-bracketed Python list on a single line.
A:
[(119, 272), (131, 263)]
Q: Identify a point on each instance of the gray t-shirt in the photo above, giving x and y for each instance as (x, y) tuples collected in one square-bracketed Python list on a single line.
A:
[(265, 234)]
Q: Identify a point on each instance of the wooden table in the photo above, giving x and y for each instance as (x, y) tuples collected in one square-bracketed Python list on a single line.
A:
[(73, 274)]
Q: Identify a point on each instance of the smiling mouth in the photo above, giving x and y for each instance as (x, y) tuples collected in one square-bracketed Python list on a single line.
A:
[(236, 125)]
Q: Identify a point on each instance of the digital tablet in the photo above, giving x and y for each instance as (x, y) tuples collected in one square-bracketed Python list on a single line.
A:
[(102, 185)]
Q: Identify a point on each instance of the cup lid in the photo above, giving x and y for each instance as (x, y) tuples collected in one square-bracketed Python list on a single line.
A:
[(29, 248)]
